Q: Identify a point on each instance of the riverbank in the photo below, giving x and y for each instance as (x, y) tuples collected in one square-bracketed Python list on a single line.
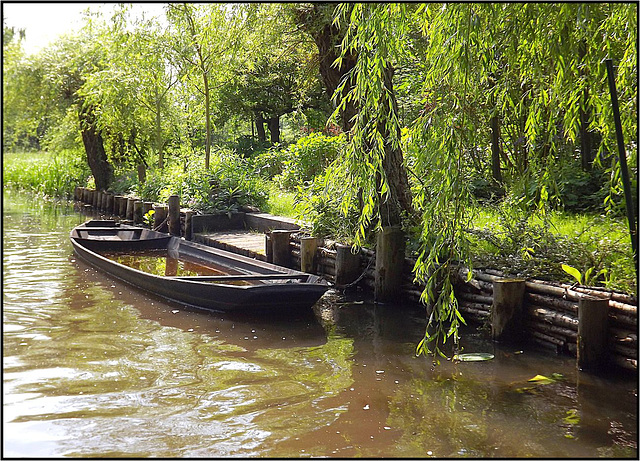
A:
[(549, 313)]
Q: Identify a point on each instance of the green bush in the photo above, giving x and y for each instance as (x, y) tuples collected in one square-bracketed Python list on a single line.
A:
[(319, 203), (307, 158), (227, 186), (249, 146)]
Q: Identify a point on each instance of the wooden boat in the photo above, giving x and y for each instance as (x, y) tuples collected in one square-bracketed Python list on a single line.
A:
[(238, 283)]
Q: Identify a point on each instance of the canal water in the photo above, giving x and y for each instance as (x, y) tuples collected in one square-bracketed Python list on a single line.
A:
[(95, 368)]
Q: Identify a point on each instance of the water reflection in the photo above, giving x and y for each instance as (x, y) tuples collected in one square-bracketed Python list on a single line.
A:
[(93, 367)]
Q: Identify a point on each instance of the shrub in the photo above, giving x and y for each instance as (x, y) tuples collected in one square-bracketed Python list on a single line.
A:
[(307, 158), (227, 186), (319, 203)]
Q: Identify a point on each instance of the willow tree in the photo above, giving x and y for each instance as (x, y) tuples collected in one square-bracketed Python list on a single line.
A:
[(538, 67), (134, 89)]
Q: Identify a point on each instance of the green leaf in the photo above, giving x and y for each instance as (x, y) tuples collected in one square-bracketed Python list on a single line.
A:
[(575, 273)]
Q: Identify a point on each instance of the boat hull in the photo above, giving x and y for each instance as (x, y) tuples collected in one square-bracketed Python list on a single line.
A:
[(275, 293)]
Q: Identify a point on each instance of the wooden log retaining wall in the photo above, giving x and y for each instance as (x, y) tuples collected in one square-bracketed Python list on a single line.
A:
[(550, 308)]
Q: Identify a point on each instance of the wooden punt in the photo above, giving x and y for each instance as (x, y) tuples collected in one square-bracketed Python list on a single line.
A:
[(245, 284)]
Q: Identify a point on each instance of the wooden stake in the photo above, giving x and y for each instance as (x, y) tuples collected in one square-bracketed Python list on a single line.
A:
[(308, 250), (506, 310), (188, 225), (137, 211), (592, 333), (110, 202), (159, 217), (390, 247), (347, 265), (174, 214), (129, 209), (281, 251)]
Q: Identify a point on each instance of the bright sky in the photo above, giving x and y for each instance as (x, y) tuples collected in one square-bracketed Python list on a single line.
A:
[(44, 22)]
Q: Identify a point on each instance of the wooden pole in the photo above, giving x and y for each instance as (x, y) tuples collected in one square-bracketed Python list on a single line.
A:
[(624, 170), (159, 217), (147, 207), (347, 265), (268, 247), (281, 250), (390, 247), (94, 199), (308, 250), (129, 209), (593, 316), (103, 203), (188, 225), (122, 207), (109, 208), (506, 309), (174, 214), (137, 211)]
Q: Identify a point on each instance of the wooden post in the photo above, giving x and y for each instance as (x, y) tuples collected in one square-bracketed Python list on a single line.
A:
[(308, 250), (77, 193), (506, 309), (281, 250), (159, 217), (110, 200), (174, 214), (268, 247), (593, 314), (347, 265), (86, 195), (147, 207), (103, 203), (188, 225), (94, 198), (120, 207), (129, 212), (390, 247), (137, 211)]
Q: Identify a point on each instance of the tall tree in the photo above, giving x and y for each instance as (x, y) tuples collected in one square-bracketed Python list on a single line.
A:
[(206, 40)]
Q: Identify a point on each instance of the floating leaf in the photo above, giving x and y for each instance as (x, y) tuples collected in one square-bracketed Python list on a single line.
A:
[(539, 379), (473, 357)]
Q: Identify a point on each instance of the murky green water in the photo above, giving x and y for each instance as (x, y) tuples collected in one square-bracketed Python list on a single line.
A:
[(94, 368)]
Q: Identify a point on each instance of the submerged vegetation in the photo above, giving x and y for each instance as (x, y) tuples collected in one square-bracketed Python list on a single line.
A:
[(484, 131)]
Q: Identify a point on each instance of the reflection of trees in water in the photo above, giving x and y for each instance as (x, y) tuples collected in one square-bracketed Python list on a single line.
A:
[(452, 416)]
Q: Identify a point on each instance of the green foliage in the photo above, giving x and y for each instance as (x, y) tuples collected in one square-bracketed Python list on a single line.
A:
[(307, 158), (226, 187), (47, 174), (249, 146), (513, 240), (319, 203)]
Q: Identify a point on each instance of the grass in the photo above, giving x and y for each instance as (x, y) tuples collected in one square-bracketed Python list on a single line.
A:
[(280, 202), (588, 242), (44, 173)]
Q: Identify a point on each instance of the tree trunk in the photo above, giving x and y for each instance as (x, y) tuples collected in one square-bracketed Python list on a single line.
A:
[(262, 135), (94, 148), (495, 149), (207, 121), (399, 197), (159, 142), (274, 129), (317, 21)]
